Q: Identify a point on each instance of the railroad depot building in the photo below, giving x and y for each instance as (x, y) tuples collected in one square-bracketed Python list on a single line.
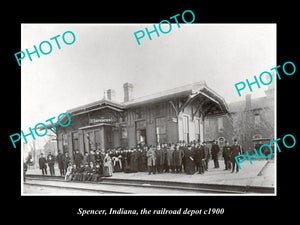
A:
[(165, 117)]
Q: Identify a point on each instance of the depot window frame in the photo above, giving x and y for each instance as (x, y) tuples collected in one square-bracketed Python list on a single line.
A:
[(161, 134), (186, 129)]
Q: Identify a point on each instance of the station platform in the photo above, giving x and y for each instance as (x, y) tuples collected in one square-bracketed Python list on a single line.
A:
[(260, 175)]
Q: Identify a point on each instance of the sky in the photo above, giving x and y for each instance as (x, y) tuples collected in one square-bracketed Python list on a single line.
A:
[(106, 56)]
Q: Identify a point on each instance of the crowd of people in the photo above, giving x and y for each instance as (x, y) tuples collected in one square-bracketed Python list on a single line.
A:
[(189, 158)]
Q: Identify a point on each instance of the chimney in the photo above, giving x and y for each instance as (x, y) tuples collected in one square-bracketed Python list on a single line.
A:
[(110, 94), (248, 102), (128, 92)]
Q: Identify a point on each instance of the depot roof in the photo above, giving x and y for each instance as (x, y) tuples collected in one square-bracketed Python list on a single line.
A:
[(198, 90), (193, 90)]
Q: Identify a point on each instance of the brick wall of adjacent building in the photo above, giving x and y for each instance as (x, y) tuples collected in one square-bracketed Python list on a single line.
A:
[(250, 119)]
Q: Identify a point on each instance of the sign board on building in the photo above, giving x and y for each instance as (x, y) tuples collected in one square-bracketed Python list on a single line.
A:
[(102, 120)]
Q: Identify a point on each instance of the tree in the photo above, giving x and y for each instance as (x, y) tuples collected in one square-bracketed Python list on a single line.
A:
[(50, 146)]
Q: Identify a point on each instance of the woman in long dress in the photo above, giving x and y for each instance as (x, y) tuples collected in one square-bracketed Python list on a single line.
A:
[(134, 161), (189, 161), (170, 161), (108, 168)]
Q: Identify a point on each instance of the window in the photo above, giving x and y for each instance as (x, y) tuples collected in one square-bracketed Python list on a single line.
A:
[(91, 140), (141, 137), (161, 130), (158, 110), (220, 124), (138, 113), (124, 132), (140, 124), (97, 139), (256, 120), (65, 142), (75, 141), (197, 129), (186, 137), (65, 139)]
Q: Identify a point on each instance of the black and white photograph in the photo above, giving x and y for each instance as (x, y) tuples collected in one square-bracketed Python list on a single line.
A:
[(149, 113), (152, 109)]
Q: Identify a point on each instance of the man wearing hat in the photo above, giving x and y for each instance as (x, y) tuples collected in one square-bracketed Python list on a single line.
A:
[(202, 163), (151, 160), (66, 161), (42, 164), (226, 155), (78, 157), (235, 151), (50, 161), (60, 162), (206, 155), (214, 153)]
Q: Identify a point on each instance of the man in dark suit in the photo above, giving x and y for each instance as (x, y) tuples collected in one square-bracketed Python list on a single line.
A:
[(203, 152), (178, 155), (160, 159), (214, 153), (226, 155), (42, 164), (235, 151), (78, 157), (134, 161), (50, 161), (60, 162), (66, 161), (206, 155), (198, 158)]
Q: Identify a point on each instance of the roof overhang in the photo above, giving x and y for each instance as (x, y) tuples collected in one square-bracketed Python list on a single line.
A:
[(216, 98), (96, 106), (198, 91), (87, 110), (158, 99), (96, 125)]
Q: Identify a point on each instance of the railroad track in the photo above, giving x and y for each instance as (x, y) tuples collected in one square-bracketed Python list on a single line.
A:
[(87, 190), (129, 186)]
